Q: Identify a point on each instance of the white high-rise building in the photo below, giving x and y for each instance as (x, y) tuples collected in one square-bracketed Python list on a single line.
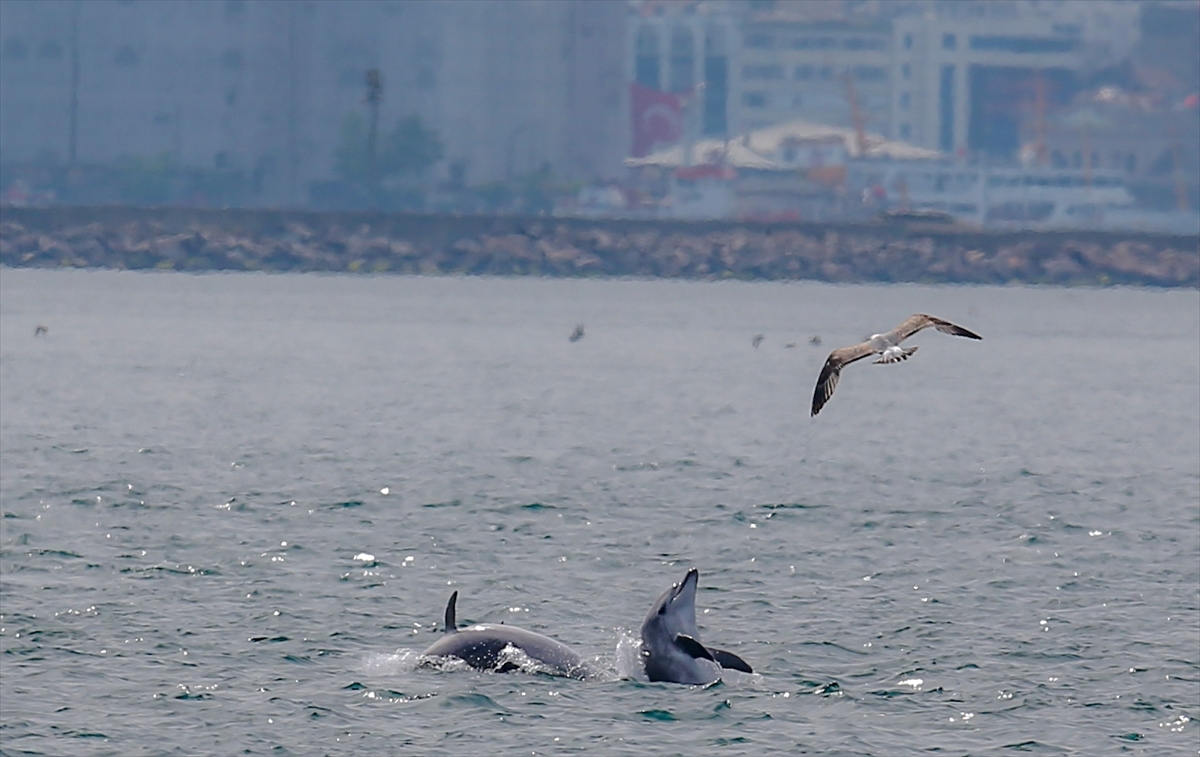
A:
[(954, 75)]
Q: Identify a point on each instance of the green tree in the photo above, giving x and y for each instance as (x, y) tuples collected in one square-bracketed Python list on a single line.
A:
[(408, 150), (148, 179), (352, 159)]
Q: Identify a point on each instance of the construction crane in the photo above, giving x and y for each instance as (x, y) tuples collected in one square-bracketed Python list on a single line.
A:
[(1039, 112), (1181, 198), (860, 130)]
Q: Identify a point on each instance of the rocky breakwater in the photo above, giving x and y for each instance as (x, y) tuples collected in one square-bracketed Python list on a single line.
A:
[(279, 241)]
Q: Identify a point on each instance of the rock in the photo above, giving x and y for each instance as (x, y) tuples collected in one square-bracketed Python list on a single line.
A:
[(34, 237)]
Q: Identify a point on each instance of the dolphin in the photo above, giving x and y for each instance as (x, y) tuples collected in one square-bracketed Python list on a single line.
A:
[(671, 648), (486, 646)]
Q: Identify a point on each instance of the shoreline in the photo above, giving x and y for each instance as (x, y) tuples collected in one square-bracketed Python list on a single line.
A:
[(364, 242)]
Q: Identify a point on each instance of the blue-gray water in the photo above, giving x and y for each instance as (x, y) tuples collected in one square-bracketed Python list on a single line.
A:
[(234, 507)]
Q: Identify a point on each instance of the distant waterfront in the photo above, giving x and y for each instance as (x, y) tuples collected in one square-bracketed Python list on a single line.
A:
[(272, 240)]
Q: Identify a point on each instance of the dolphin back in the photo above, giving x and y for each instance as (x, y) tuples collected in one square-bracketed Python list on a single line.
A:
[(483, 646)]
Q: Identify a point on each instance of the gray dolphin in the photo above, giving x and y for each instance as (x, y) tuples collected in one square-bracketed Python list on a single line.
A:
[(485, 646), (671, 647)]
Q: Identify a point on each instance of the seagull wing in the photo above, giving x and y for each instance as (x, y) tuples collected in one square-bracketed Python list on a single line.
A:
[(946, 327), (911, 325), (832, 371), (919, 321)]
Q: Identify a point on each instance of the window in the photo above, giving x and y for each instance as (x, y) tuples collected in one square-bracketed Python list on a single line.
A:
[(797, 101), (907, 41), (715, 93), (825, 72), (905, 100), (860, 43), (906, 70), (946, 109), (870, 73), (1023, 44), (768, 72), (646, 66), (758, 41), (949, 42), (754, 99), (682, 61), (905, 131), (803, 73), (814, 43)]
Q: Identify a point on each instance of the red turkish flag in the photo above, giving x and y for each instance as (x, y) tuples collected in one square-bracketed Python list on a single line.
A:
[(657, 118)]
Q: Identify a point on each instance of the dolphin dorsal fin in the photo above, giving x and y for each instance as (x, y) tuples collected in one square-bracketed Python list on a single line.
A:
[(451, 623), (692, 647)]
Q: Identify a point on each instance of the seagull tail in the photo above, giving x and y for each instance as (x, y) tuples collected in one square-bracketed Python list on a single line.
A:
[(896, 357)]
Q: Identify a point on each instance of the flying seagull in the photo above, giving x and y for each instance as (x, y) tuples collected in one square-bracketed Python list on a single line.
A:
[(887, 346)]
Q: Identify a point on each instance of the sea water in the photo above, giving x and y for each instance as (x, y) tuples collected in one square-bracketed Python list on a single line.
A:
[(234, 506)]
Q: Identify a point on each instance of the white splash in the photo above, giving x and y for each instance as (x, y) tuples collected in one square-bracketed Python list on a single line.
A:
[(629, 656), (401, 661)]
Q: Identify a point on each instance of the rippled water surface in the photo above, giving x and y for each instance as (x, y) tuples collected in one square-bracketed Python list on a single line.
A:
[(233, 508)]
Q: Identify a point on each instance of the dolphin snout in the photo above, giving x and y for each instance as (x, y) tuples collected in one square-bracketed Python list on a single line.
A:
[(688, 583)]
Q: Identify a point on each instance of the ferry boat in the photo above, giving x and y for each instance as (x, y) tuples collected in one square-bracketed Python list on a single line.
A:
[(1020, 198)]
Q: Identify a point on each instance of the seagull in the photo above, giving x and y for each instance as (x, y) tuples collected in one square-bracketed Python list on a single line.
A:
[(757, 340), (577, 334), (887, 346)]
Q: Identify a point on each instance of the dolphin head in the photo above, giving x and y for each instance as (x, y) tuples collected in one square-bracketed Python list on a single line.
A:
[(675, 611), (671, 647)]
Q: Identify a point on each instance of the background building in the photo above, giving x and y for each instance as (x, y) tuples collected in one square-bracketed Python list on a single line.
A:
[(260, 89), (835, 71), (246, 101), (955, 76), (964, 82)]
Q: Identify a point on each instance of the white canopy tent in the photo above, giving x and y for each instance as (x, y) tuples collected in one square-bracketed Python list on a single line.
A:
[(766, 149)]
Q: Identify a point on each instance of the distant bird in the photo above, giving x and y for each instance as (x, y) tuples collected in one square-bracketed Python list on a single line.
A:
[(757, 340), (577, 334), (41, 331), (887, 346), (790, 346), (815, 341)]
